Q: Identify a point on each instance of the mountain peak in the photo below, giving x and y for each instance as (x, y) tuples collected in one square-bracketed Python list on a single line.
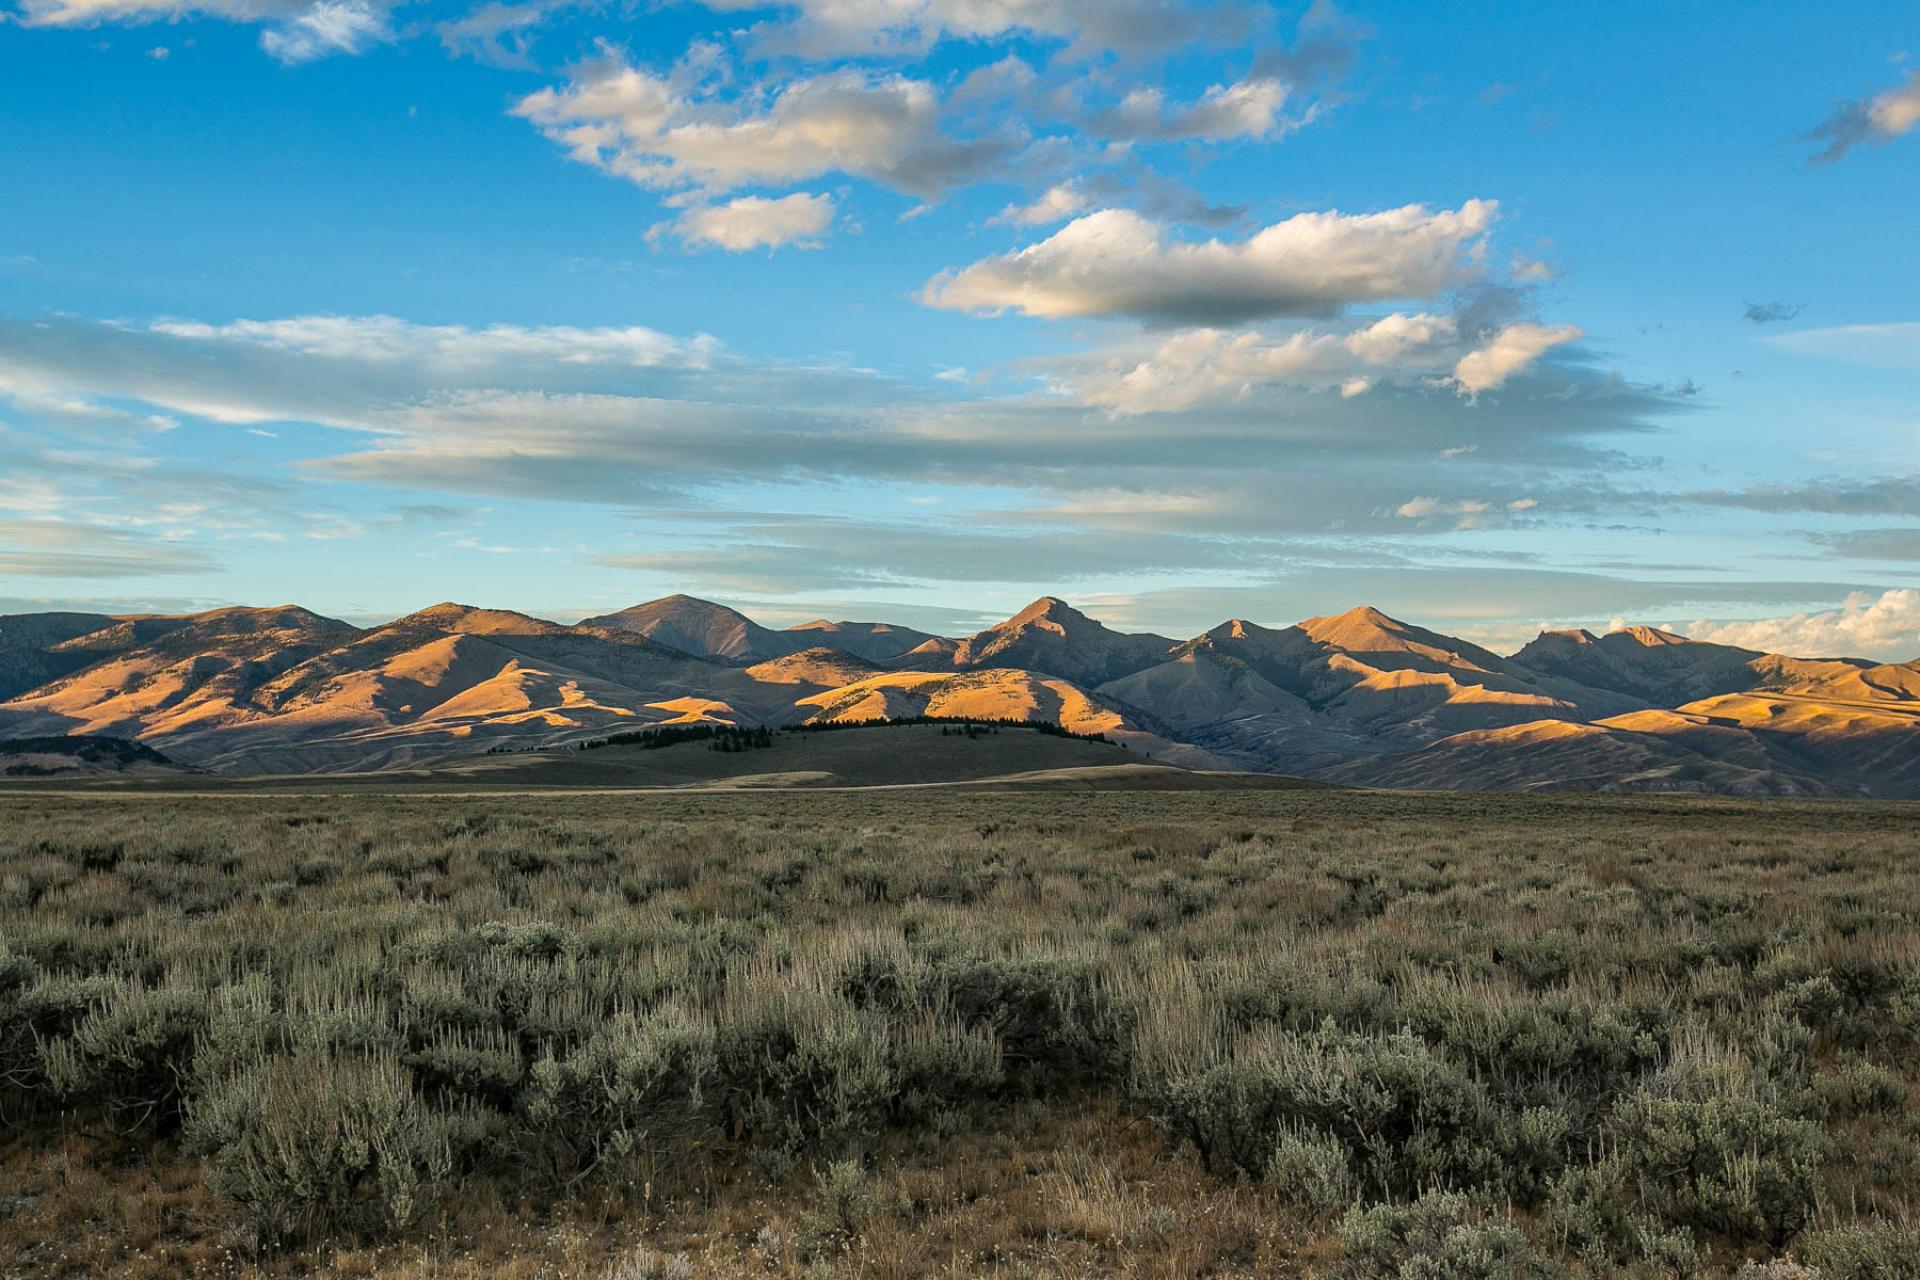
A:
[(1652, 637), (1048, 609), (472, 620), (1356, 627), (1237, 629)]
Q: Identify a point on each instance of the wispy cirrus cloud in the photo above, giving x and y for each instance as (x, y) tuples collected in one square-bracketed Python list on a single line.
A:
[(293, 31), (1832, 495), (1874, 120), (830, 28), (55, 547), (1894, 345)]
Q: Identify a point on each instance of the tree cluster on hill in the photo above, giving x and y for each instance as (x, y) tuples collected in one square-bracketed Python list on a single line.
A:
[(968, 726), (719, 737)]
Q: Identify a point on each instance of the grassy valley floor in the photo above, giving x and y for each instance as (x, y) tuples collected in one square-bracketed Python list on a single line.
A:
[(941, 1032)]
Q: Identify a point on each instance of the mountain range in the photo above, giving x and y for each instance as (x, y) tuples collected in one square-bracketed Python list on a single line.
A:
[(1357, 697)]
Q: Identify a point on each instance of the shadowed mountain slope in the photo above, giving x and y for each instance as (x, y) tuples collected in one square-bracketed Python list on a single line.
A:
[(1053, 637)]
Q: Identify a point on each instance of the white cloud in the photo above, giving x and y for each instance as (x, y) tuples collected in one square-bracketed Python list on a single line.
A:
[(498, 32), (653, 131), (55, 547), (1248, 109), (1466, 513), (755, 222), (385, 339), (88, 13), (1115, 263), (826, 27), (296, 31), (1056, 204), (1886, 627), (79, 409), (1204, 365), (326, 28), (1892, 346), (1509, 352), (1876, 120)]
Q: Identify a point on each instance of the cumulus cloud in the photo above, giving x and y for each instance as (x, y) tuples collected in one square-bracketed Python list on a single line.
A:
[(1250, 108), (1199, 366), (1208, 365), (1509, 352), (756, 222), (1866, 626), (1875, 120), (1117, 263), (660, 133), (1056, 204)]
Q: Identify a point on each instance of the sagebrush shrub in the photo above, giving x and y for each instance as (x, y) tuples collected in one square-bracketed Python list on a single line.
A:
[(1438, 1237), (1407, 1117), (130, 1050), (805, 1069), (635, 1085), (1738, 1166), (1312, 1170), (1866, 1250), (323, 1141), (1592, 1211)]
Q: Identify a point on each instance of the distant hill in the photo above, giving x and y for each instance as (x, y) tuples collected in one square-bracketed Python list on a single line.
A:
[(79, 756), (880, 755), (1356, 697)]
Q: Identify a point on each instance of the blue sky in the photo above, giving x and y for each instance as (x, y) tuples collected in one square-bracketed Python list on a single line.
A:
[(1493, 316)]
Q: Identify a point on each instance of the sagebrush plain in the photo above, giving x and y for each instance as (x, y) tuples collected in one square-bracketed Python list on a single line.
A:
[(941, 1033)]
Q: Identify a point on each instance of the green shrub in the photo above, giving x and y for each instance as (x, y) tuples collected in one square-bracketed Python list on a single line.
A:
[(939, 1065), (131, 1051), (1856, 1087), (1738, 1166), (633, 1086), (1867, 1250), (1407, 1117), (1591, 1211), (1054, 1016), (321, 1141), (1437, 1237), (1311, 1170), (806, 1070)]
